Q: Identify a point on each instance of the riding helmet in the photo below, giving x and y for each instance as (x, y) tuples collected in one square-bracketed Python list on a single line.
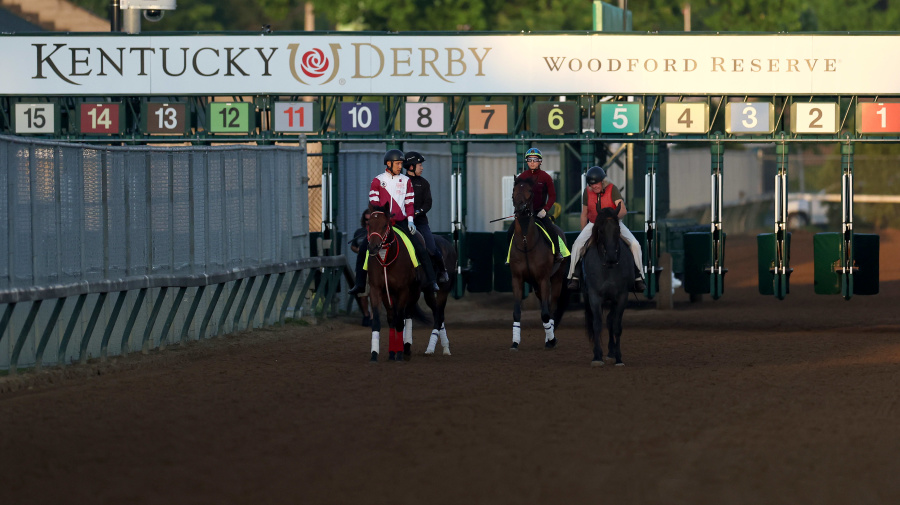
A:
[(412, 159), (393, 155), (534, 151), (594, 175)]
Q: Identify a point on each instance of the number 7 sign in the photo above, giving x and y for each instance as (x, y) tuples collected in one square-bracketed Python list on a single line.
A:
[(489, 119)]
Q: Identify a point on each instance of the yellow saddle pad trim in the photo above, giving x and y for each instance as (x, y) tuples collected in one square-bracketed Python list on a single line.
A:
[(562, 245), (409, 247)]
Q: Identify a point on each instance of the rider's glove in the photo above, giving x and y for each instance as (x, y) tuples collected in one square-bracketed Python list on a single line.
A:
[(542, 214), (412, 226)]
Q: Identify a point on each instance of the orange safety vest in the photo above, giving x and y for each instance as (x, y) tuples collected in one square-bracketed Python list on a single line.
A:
[(605, 199)]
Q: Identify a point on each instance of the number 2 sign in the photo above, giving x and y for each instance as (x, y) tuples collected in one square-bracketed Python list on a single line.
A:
[(815, 117)]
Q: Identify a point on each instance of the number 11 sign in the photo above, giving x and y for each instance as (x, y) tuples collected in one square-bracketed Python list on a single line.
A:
[(295, 117)]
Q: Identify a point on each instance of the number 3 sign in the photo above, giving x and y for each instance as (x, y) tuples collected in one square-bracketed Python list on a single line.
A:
[(421, 117)]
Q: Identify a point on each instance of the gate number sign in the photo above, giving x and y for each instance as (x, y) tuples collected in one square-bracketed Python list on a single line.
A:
[(621, 117), (489, 119), (555, 118), (814, 117), (168, 118), (230, 117), (100, 118), (750, 117), (878, 118), (291, 117), (360, 117), (33, 118), (421, 117), (684, 118)]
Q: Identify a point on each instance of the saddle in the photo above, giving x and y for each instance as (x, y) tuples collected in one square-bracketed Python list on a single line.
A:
[(564, 250), (409, 247)]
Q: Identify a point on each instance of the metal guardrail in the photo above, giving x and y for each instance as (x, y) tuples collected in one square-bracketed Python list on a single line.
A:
[(242, 282)]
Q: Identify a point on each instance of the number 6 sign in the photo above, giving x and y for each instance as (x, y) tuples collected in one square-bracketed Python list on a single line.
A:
[(420, 117), (555, 118)]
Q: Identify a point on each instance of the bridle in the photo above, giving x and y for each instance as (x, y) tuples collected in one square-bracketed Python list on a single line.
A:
[(385, 243), (601, 246), (527, 213)]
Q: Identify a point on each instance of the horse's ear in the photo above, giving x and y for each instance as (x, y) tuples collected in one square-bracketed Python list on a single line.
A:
[(618, 208)]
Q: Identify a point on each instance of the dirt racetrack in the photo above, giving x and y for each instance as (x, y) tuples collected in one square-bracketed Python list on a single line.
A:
[(744, 400)]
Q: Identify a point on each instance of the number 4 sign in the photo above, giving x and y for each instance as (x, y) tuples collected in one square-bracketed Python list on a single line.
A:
[(684, 118)]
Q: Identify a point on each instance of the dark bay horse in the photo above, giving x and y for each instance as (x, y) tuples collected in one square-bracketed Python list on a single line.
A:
[(397, 284), (531, 260), (608, 278)]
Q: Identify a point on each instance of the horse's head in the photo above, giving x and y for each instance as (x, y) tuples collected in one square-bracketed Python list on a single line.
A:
[(378, 229), (607, 233), (522, 196)]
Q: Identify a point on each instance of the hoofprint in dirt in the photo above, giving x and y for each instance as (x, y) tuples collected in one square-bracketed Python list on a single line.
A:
[(747, 399)]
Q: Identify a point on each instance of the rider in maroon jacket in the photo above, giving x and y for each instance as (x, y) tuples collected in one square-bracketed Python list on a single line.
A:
[(544, 196)]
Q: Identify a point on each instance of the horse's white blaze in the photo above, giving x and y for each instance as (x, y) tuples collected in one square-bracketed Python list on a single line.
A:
[(432, 342), (382, 253), (375, 339), (548, 331), (407, 331), (517, 333)]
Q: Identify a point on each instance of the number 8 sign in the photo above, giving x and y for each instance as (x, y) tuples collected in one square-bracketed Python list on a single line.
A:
[(419, 117)]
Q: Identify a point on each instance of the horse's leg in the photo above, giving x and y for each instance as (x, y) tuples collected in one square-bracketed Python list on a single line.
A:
[(432, 341), (593, 314), (615, 327), (544, 294), (392, 338), (517, 312), (376, 323), (442, 305), (407, 336)]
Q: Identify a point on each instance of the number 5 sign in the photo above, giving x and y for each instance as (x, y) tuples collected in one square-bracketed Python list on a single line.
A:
[(419, 117), (621, 117)]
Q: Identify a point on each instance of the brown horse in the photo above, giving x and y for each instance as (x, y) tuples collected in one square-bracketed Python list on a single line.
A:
[(531, 260), (392, 281)]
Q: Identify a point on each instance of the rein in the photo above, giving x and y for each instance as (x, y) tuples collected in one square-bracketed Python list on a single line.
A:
[(386, 246), (602, 246)]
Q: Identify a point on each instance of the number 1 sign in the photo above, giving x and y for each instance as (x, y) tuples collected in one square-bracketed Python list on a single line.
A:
[(878, 118)]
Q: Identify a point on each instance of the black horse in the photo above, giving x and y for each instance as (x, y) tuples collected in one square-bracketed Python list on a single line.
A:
[(608, 278), (437, 302)]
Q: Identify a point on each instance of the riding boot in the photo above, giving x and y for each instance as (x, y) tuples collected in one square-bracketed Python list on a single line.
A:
[(360, 285), (574, 284), (425, 260), (441, 269), (558, 258), (639, 285)]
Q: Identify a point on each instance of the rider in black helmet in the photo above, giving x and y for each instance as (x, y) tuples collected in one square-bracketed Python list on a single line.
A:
[(412, 162), (395, 190), (601, 190)]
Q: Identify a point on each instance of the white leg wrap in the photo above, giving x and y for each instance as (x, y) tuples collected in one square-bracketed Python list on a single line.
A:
[(432, 342), (517, 333), (548, 330), (375, 338), (407, 331), (444, 340)]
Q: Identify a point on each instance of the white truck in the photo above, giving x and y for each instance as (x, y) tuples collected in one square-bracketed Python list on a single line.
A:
[(806, 209)]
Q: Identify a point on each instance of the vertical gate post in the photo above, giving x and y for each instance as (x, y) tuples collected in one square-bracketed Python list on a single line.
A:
[(717, 269), (459, 150), (521, 148), (782, 253), (651, 245), (329, 194), (847, 265)]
